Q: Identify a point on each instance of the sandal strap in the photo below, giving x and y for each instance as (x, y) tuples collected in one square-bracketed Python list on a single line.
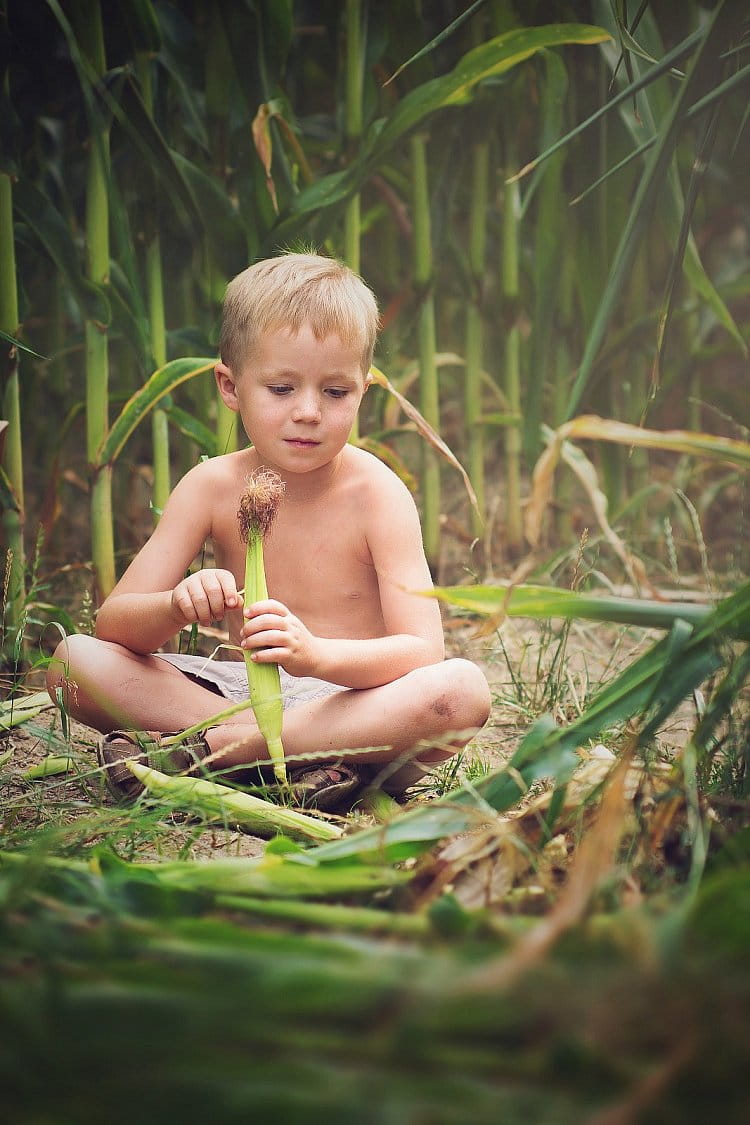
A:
[(147, 748)]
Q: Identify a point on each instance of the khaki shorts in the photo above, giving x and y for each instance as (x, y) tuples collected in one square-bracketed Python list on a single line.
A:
[(228, 678)]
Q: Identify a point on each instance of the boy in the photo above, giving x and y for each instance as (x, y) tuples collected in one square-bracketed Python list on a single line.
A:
[(367, 691)]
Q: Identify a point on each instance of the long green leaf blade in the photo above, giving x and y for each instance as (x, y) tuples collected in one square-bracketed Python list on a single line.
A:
[(164, 380)]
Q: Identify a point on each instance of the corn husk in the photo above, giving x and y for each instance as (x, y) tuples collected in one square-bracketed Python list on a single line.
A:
[(219, 804), (257, 511)]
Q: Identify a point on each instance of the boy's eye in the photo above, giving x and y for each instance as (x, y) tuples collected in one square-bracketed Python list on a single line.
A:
[(337, 392), (280, 389)]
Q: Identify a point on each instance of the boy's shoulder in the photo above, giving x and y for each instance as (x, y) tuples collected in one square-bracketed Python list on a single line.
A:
[(370, 471), (375, 489), (225, 467)]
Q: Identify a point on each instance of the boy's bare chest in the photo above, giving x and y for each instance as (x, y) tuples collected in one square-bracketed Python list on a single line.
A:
[(317, 563)]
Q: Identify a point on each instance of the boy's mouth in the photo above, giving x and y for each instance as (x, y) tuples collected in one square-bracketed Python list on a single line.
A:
[(301, 443)]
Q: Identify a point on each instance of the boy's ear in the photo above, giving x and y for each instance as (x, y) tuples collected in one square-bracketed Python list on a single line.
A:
[(225, 383)]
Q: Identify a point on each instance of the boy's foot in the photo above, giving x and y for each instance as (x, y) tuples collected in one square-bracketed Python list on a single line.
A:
[(325, 787), (320, 787), (119, 746)]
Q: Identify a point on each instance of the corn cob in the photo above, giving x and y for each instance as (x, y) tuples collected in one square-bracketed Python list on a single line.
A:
[(217, 803), (51, 766), (258, 508)]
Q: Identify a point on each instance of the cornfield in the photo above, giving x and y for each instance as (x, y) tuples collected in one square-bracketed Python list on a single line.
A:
[(549, 201)]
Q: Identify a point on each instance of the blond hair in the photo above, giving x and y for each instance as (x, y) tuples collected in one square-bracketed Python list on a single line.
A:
[(291, 291)]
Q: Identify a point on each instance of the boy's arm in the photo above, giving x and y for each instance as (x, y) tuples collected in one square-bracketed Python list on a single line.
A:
[(154, 599), (413, 627)]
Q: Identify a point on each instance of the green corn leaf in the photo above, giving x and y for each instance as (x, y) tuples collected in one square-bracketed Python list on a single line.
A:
[(436, 41), (489, 60), (53, 232), (52, 766), (164, 380), (677, 53), (656, 171), (20, 345), (229, 229), (275, 876), (220, 804), (541, 602), (652, 686), (8, 498), (192, 428)]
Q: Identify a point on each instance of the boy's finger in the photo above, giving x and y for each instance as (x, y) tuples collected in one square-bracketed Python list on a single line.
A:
[(229, 590), (269, 605)]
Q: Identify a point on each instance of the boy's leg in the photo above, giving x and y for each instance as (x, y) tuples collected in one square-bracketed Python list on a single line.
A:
[(421, 718), (109, 687), (412, 723)]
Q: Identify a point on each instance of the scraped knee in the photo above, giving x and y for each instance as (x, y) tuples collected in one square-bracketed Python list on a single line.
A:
[(460, 700)]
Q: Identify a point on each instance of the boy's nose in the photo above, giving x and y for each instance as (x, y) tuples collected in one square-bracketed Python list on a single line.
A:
[(307, 409)]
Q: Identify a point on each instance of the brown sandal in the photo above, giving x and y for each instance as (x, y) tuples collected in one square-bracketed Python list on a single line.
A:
[(324, 787), (119, 746)]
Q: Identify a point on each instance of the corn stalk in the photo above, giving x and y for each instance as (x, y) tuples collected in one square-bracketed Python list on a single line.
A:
[(352, 135), (511, 290), (258, 509), (429, 401), (90, 34), (156, 316), (474, 338), (13, 517)]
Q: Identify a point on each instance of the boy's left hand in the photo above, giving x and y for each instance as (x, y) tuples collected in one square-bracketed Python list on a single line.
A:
[(274, 635)]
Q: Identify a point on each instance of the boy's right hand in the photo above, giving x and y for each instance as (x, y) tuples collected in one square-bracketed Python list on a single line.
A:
[(205, 596)]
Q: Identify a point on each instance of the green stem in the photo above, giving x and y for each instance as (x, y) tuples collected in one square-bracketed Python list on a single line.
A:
[(511, 293), (263, 680), (475, 329), (159, 420), (353, 133), (91, 41), (429, 402), (157, 321), (13, 521)]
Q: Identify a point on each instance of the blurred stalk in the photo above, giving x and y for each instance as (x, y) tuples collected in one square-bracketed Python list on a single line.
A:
[(353, 124), (429, 402), (219, 68), (157, 324), (352, 135), (549, 235), (13, 521), (474, 343), (638, 389), (511, 290), (608, 212), (561, 384), (91, 42)]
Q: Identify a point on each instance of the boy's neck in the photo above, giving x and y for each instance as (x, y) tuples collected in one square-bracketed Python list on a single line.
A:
[(306, 487)]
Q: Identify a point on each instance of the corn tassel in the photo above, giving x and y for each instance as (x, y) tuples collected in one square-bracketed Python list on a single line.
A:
[(257, 510), (217, 803)]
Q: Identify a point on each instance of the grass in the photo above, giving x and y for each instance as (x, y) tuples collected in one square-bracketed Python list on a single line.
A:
[(549, 958)]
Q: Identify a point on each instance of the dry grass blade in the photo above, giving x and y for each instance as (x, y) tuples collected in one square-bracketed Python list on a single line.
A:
[(426, 431), (595, 856), (590, 426)]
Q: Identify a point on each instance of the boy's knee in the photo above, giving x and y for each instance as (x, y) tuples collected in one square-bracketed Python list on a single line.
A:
[(460, 698), (71, 653)]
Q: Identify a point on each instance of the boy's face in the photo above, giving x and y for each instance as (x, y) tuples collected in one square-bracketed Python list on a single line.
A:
[(297, 397)]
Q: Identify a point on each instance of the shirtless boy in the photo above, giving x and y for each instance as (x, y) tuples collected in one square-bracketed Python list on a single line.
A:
[(361, 655)]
